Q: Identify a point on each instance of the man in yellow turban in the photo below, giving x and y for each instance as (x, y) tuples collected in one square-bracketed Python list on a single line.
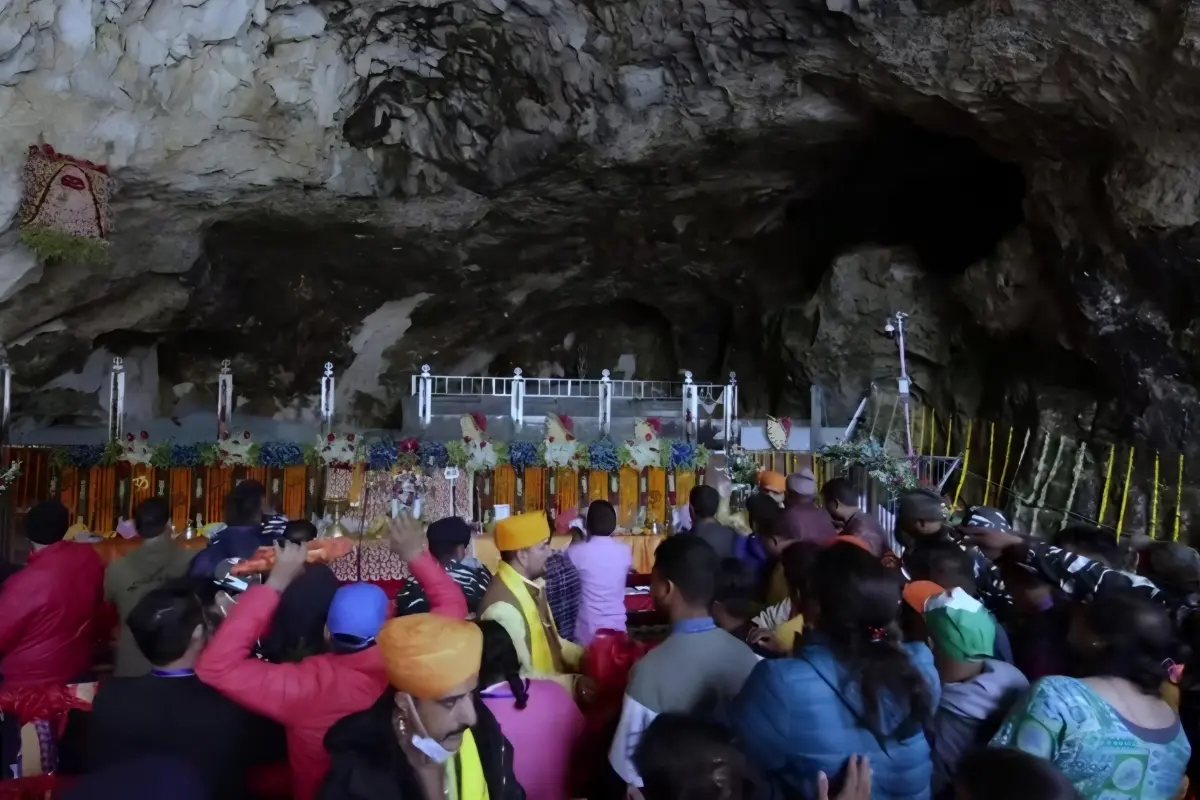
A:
[(431, 736), (517, 600)]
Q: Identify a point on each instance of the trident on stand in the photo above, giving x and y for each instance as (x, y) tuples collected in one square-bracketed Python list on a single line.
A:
[(895, 327), (5, 395), (224, 399), (327, 389), (116, 400)]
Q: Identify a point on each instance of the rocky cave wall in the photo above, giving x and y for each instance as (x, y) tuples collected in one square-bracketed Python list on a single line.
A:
[(712, 184)]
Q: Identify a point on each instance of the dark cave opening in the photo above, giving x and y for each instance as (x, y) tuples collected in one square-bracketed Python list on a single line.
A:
[(903, 185)]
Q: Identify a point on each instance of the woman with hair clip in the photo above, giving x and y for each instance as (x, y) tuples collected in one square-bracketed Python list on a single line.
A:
[(1110, 733), (539, 717), (851, 688)]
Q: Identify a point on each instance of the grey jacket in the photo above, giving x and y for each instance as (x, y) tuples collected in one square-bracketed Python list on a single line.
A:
[(969, 713)]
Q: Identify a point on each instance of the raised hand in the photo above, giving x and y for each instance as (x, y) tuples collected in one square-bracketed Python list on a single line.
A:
[(406, 536), (289, 564)]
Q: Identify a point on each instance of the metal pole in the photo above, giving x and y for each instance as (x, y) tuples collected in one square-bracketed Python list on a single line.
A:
[(904, 383), (5, 396), (605, 402), (518, 400), (689, 401), (425, 396), (732, 409)]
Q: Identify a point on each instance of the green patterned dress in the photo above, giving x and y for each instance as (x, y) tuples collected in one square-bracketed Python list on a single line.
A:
[(1105, 756)]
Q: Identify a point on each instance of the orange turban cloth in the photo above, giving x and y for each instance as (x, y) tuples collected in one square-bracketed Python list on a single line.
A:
[(427, 655), (770, 481), (521, 531)]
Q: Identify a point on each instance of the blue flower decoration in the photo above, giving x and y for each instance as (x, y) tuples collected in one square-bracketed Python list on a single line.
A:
[(382, 455), (280, 454), (185, 455), (522, 454), (86, 455), (683, 454), (434, 454), (602, 455)]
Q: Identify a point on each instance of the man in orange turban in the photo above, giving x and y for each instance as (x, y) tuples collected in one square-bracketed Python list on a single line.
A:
[(517, 600), (773, 484), (431, 736)]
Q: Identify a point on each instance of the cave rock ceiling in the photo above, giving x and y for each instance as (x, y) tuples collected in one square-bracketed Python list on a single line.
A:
[(713, 185)]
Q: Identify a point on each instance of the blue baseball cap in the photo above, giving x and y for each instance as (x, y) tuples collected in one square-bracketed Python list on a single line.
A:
[(356, 614)]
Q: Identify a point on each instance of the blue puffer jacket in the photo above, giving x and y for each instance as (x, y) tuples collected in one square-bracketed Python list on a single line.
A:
[(802, 715)]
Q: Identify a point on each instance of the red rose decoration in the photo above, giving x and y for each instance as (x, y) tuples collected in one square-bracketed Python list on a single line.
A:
[(482, 445), (129, 436), (330, 438), (145, 435), (225, 435), (245, 434), (224, 453), (551, 439), (467, 439), (648, 437), (349, 437)]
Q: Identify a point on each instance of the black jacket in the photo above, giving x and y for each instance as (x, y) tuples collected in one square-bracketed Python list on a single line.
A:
[(368, 764)]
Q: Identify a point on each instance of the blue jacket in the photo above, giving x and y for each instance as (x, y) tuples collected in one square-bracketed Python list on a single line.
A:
[(801, 715), (240, 541)]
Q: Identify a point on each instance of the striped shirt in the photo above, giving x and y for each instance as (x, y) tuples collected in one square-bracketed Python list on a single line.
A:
[(472, 576), (273, 525), (562, 593)]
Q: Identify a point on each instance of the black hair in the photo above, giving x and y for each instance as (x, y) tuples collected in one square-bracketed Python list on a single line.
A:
[(1001, 773), (704, 500), (944, 562), (299, 531), (839, 490), (47, 522), (736, 580), (859, 601), (243, 506), (163, 622), (500, 662), (152, 517), (1090, 541), (686, 757), (1135, 639), (797, 562), (691, 564), (601, 518), (447, 535), (764, 513)]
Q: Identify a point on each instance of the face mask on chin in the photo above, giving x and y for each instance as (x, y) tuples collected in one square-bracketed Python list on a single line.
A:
[(434, 751)]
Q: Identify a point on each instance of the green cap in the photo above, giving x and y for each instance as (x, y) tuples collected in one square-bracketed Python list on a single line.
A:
[(961, 628)]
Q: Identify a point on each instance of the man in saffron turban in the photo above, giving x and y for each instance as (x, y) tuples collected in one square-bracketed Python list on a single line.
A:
[(517, 600), (429, 735)]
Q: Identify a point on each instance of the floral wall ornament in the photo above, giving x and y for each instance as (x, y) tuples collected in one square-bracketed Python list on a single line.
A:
[(778, 432), (560, 449), (235, 449), (338, 450), (136, 449), (480, 454), (644, 450), (65, 208)]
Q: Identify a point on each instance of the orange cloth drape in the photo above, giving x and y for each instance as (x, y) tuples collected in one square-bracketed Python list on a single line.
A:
[(141, 485), (218, 482), (627, 497), (504, 487), (567, 490), (68, 489), (102, 499), (656, 495), (295, 482), (256, 474), (179, 495), (597, 485), (684, 483), (535, 489)]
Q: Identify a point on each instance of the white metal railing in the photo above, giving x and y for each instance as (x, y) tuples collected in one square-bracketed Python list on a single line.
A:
[(689, 394)]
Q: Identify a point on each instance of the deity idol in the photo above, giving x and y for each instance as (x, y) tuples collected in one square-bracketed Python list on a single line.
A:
[(561, 448)]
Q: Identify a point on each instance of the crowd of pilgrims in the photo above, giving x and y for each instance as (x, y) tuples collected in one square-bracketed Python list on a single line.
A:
[(808, 659)]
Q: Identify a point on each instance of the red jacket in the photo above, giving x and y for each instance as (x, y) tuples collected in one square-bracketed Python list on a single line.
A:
[(309, 696), (46, 616)]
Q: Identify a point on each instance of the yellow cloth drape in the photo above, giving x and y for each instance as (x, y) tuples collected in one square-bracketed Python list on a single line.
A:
[(643, 551), (566, 489), (656, 495), (464, 772), (357, 480), (627, 497), (504, 487), (179, 494), (535, 489), (597, 485), (102, 498), (539, 645), (684, 483), (141, 486), (217, 485), (68, 489)]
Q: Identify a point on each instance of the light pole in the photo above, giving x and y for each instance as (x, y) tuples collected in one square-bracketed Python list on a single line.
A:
[(895, 327)]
